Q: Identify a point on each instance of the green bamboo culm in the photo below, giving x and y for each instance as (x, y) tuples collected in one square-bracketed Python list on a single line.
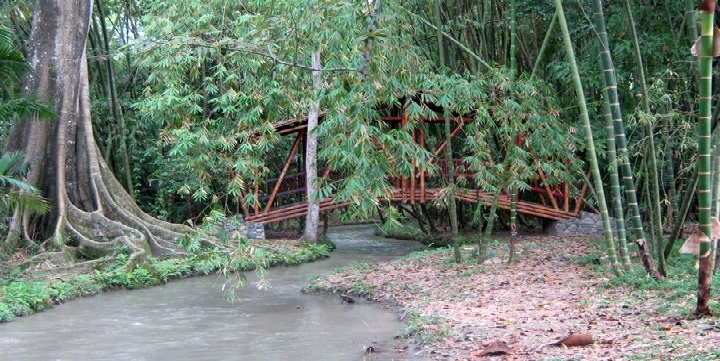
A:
[(612, 254), (609, 82), (652, 162), (704, 188), (513, 33), (544, 45), (616, 193), (452, 211), (625, 168), (691, 19)]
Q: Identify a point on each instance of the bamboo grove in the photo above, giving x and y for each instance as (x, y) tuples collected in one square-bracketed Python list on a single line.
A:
[(607, 94)]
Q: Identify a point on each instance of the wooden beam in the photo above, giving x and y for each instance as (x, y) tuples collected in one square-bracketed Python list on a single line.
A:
[(404, 181), (422, 174), (543, 179), (246, 211), (413, 181), (583, 190), (326, 172), (443, 144), (257, 200), (280, 179)]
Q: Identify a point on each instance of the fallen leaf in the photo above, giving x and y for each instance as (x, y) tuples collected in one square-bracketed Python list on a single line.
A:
[(576, 339), (496, 348)]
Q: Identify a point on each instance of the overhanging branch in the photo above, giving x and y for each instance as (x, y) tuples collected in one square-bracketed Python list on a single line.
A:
[(267, 55)]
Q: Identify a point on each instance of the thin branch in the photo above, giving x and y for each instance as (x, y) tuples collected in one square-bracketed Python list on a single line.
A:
[(451, 38), (267, 55)]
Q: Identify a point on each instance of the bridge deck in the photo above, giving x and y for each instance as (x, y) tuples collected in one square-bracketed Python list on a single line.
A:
[(297, 210)]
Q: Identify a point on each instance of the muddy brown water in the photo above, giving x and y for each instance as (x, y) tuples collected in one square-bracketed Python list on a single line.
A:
[(192, 320)]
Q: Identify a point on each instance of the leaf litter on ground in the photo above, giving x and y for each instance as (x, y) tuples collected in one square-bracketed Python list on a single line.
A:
[(529, 305)]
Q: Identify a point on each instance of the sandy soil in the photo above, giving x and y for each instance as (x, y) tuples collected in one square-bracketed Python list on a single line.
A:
[(531, 305)]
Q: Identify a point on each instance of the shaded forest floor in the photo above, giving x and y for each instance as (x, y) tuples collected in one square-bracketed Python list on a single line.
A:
[(556, 287)]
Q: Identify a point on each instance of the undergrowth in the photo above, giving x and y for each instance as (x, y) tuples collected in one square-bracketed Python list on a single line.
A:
[(676, 293)]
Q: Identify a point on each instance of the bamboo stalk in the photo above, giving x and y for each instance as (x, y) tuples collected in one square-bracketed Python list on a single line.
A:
[(704, 163), (544, 45), (589, 139), (452, 212), (652, 162), (616, 193)]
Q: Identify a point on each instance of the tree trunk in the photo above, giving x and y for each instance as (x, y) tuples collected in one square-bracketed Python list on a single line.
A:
[(313, 208), (91, 210)]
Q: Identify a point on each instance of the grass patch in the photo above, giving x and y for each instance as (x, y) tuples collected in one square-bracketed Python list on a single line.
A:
[(427, 329)]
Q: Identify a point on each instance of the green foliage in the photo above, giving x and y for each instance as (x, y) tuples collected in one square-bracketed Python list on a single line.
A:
[(17, 194), (24, 298), (6, 313), (12, 62), (307, 253), (676, 290), (169, 269), (216, 85), (400, 231)]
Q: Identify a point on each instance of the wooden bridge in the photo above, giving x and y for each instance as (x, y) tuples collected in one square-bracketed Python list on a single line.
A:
[(284, 197)]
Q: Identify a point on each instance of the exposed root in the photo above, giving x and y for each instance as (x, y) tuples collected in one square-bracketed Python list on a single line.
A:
[(59, 258)]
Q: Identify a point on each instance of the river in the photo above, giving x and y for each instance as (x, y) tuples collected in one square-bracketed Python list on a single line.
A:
[(191, 319)]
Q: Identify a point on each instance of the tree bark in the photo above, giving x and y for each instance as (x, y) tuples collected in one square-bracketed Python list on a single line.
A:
[(313, 209), (91, 210)]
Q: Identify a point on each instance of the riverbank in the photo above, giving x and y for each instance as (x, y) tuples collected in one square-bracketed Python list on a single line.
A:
[(558, 286), (24, 292)]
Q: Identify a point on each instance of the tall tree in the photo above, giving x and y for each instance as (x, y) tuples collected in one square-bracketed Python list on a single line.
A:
[(311, 147), (90, 209)]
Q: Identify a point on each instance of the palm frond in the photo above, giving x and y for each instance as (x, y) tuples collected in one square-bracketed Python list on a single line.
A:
[(9, 160), (6, 38), (6, 181), (13, 168), (24, 201), (12, 64), (24, 107)]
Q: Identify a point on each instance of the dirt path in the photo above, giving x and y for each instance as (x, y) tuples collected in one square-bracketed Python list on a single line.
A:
[(459, 309)]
